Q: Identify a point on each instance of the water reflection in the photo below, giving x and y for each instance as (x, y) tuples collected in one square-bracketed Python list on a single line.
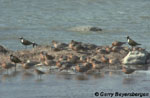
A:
[(129, 80), (1, 71), (113, 73), (64, 76), (97, 76), (39, 80), (27, 75), (81, 77), (9, 76)]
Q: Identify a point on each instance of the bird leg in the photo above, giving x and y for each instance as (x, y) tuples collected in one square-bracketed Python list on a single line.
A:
[(40, 77), (7, 71), (15, 66)]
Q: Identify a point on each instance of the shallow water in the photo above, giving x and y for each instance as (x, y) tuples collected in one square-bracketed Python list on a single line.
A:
[(28, 85), (44, 21)]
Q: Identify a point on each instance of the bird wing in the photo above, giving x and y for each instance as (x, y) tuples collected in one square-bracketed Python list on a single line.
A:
[(133, 42), (17, 59), (27, 42)]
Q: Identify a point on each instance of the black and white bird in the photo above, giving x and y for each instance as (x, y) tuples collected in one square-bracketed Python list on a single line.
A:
[(25, 42), (15, 60), (131, 42)]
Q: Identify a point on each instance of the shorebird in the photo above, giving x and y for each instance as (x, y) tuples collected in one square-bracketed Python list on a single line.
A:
[(73, 58), (66, 66), (83, 67), (7, 66), (49, 63), (104, 59), (132, 42), (39, 72), (127, 70), (25, 42), (59, 45), (117, 43), (15, 60), (47, 57), (29, 64)]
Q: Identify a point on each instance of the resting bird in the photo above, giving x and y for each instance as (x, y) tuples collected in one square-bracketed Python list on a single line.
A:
[(127, 70), (117, 43), (25, 42), (15, 60), (47, 56), (132, 42)]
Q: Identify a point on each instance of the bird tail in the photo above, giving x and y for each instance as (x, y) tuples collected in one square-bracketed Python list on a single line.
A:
[(138, 44), (34, 44)]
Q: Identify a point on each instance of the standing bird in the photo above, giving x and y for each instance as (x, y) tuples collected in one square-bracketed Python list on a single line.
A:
[(7, 66), (15, 60), (39, 72), (132, 42), (26, 42)]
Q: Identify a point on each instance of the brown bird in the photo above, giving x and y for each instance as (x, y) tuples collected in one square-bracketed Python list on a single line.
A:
[(83, 67), (42, 57), (127, 70), (15, 60), (47, 57), (39, 72), (117, 43), (66, 66), (7, 66), (59, 45), (83, 59), (73, 58), (49, 62), (104, 59)]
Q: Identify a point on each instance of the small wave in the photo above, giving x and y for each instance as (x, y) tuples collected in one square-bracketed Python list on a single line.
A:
[(85, 28), (145, 17)]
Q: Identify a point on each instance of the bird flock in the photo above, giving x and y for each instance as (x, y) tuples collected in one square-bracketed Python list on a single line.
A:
[(15, 60)]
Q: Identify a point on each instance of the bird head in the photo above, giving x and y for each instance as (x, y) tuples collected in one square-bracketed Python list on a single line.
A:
[(44, 53), (128, 37), (54, 42), (20, 37), (11, 55)]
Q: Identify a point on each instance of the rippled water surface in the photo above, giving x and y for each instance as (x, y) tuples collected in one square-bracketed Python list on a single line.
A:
[(28, 85), (45, 20)]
